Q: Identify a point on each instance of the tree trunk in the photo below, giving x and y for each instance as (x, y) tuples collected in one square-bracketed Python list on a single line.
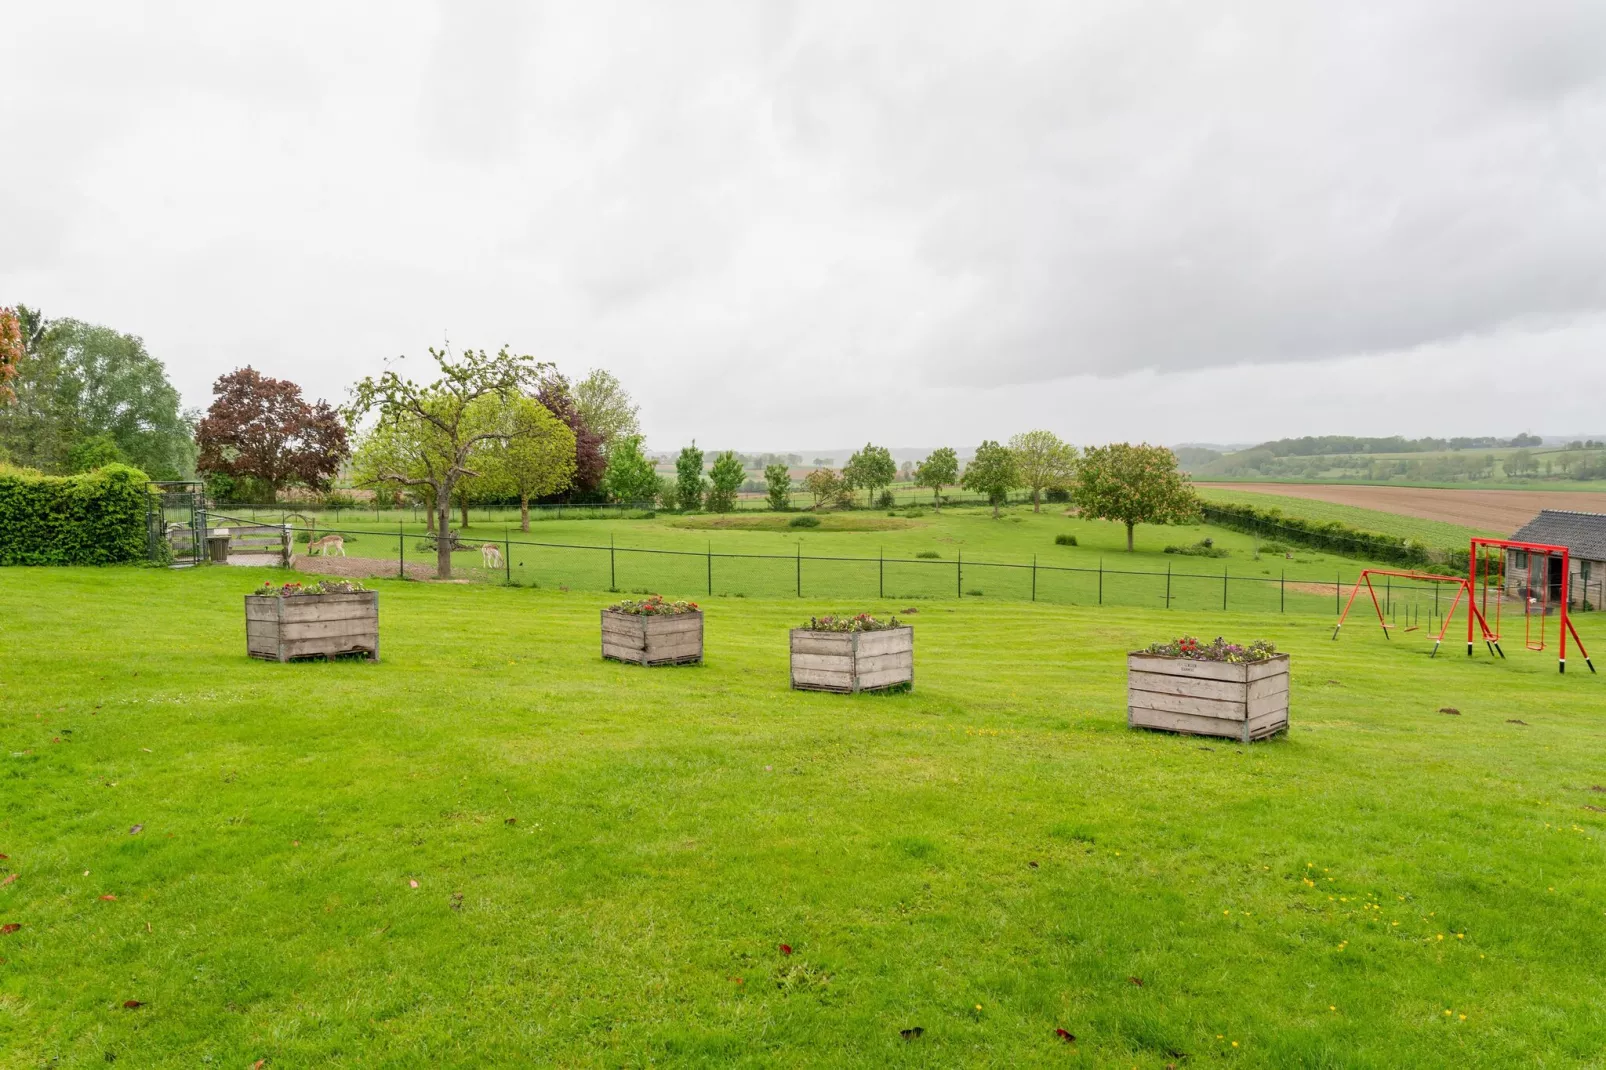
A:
[(995, 507), (463, 503), (443, 540), (429, 520), (1036, 507), (524, 512), (1129, 527), (936, 499)]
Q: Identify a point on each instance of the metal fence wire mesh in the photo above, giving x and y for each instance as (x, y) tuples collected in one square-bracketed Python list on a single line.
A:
[(691, 573)]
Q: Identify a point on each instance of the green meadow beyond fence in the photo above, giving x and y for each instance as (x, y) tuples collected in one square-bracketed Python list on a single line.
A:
[(843, 580)]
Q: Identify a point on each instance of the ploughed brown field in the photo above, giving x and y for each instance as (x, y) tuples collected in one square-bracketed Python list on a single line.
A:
[(1498, 510)]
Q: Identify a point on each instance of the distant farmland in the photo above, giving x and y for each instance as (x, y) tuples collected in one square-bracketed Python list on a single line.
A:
[(1492, 512)]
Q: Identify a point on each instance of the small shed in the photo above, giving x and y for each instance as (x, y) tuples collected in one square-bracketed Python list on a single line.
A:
[(1584, 535)]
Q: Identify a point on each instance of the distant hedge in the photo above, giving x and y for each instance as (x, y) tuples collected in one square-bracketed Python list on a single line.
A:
[(97, 518), (1334, 537)]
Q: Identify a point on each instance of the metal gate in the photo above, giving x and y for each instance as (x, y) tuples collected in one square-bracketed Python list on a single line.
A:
[(175, 523)]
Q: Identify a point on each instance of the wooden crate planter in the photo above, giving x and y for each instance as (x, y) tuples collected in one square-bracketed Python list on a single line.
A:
[(312, 625), (848, 662), (652, 639), (1244, 701)]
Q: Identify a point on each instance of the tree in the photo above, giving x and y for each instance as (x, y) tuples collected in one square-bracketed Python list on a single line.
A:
[(78, 380), (870, 469), (11, 351), (431, 432), (1043, 462), (89, 454), (828, 488), (590, 459), (630, 476), (992, 472), (938, 470), (1133, 485), (778, 486), (262, 428), (689, 482), (532, 456), (606, 407), (727, 476)]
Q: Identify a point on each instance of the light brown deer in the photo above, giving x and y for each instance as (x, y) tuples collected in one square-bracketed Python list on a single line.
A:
[(327, 545), (491, 555)]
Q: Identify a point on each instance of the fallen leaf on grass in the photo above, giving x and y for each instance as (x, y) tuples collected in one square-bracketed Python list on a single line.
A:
[(259, 1064), (1451, 710), (136, 830), (412, 883), (1136, 981), (9, 928), (914, 1030), (1514, 720), (8, 880), (1031, 865), (1065, 1035), (132, 1004), (109, 898), (786, 949), (4, 857)]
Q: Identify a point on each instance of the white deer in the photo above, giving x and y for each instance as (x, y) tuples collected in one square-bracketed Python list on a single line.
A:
[(491, 555), (327, 545)]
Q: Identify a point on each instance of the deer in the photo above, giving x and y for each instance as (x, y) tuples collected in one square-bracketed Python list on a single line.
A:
[(491, 555), (326, 545)]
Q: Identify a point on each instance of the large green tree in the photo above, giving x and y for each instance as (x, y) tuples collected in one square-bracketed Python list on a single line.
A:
[(630, 476), (940, 469), (79, 381), (992, 472), (778, 486), (1043, 462), (606, 407), (725, 479), (870, 469), (689, 481), (1133, 485), (532, 456), (431, 433)]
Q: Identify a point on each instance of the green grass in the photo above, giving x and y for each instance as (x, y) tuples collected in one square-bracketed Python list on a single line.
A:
[(989, 857), (1435, 533)]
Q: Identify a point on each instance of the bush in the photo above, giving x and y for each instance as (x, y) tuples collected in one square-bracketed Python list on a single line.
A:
[(929, 555), (1202, 548), (887, 501), (1065, 540), (974, 592), (340, 501), (1330, 536), (97, 518), (803, 522), (1057, 494)]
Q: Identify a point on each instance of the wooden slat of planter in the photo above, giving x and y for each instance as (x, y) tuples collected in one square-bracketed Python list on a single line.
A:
[(1203, 707), (869, 681), (886, 642), (1268, 704), (1170, 721), (834, 681), (898, 660), (624, 637), (805, 642), (1267, 724), (261, 609), (684, 622), (678, 643), (1269, 685), (623, 653), (367, 641), (1259, 670), (825, 662), (1198, 670), (1185, 685), (326, 629)]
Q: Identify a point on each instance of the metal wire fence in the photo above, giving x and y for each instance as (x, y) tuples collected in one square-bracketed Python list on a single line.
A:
[(693, 573)]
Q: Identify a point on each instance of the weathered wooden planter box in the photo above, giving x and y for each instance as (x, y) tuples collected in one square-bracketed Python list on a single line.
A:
[(312, 625), (652, 639), (1245, 701), (852, 661)]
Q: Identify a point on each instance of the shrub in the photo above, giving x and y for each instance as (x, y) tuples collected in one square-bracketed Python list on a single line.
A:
[(1331, 536), (1273, 548), (1064, 540), (1202, 548), (974, 592), (97, 518), (929, 555), (887, 501), (803, 522), (1057, 494)]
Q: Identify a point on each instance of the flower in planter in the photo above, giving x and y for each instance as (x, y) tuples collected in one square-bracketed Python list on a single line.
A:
[(861, 622), (652, 606), (289, 590), (1217, 650)]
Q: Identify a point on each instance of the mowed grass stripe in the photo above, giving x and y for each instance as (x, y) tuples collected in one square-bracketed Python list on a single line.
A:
[(674, 826)]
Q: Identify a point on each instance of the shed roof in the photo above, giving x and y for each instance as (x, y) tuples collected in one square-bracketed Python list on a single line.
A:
[(1584, 534)]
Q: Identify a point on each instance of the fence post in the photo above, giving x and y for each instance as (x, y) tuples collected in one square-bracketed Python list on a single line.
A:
[(1223, 586), (959, 576), (800, 568), (1168, 585), (881, 571), (1282, 592), (710, 568), (1034, 577), (1101, 580), (1338, 578), (507, 555), (401, 552), (613, 582)]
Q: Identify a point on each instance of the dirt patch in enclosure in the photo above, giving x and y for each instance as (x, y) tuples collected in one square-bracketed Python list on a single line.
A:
[(1492, 510), (358, 568)]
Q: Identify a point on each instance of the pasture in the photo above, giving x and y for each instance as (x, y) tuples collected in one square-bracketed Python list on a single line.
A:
[(494, 847), (1446, 512)]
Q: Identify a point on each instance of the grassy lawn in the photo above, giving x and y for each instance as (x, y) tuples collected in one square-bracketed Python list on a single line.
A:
[(607, 859), (1434, 533)]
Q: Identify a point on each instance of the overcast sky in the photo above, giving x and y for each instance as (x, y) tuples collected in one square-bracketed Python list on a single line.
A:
[(792, 225)]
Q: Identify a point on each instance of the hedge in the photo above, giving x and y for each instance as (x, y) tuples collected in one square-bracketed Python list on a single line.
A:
[(97, 518), (1335, 537)]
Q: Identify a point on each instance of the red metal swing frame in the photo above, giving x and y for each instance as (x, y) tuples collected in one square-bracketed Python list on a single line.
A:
[(1491, 636), (1462, 588)]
